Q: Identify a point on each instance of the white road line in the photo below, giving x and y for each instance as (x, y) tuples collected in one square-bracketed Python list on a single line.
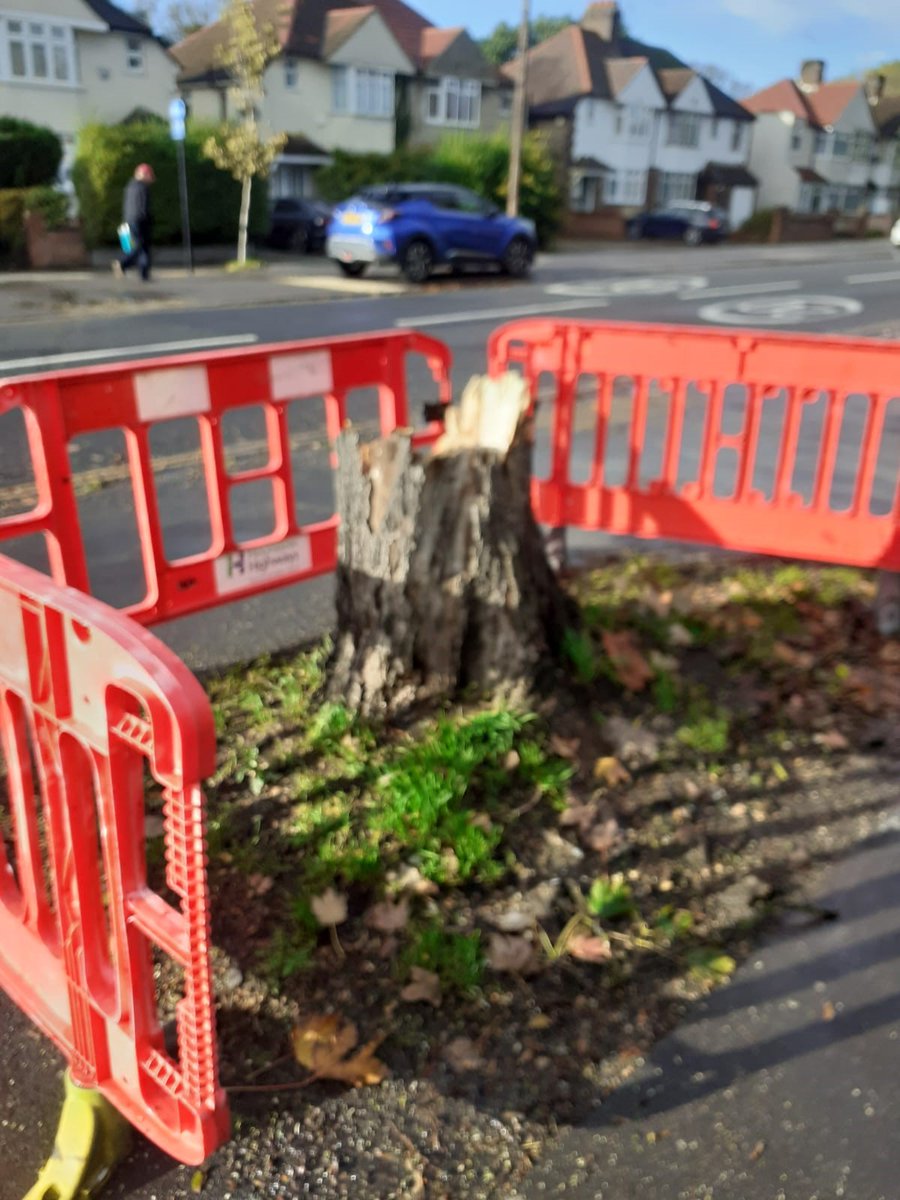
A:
[(487, 314), (83, 356), (873, 278), (747, 289)]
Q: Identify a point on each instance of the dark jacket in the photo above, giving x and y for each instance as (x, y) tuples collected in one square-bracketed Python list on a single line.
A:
[(136, 210)]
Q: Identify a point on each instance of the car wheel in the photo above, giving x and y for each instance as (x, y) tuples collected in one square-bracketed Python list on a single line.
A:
[(517, 258), (692, 236), (353, 269), (299, 241), (418, 261)]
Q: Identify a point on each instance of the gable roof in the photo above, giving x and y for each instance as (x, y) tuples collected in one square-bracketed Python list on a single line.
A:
[(340, 25), (577, 62), (820, 107), (119, 20), (435, 42)]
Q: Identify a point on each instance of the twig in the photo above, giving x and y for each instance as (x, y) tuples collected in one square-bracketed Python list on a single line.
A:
[(270, 1067), (274, 1087), (527, 806)]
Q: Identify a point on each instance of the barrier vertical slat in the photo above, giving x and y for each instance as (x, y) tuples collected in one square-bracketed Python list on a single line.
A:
[(674, 434), (606, 384), (828, 452), (216, 492), (283, 479), (712, 435), (638, 430), (749, 443), (65, 548), (869, 452), (146, 510), (787, 456)]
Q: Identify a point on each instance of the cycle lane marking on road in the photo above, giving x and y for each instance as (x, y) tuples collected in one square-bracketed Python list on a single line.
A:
[(739, 289), (886, 277), (85, 356), (780, 310)]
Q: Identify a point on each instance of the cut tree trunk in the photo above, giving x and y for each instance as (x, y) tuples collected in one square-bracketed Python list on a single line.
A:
[(443, 585)]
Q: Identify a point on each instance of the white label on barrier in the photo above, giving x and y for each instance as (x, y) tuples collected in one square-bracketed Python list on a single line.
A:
[(245, 569), (171, 392), (293, 376)]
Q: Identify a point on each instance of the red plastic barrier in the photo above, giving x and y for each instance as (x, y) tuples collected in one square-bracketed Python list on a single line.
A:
[(89, 703), (795, 400), (135, 397)]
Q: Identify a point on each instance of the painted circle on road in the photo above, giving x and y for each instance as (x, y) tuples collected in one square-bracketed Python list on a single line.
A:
[(780, 310), (632, 285)]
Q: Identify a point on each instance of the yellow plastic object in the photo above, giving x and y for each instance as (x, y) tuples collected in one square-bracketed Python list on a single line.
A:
[(91, 1140)]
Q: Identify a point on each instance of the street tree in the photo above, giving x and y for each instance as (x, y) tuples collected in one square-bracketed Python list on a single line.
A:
[(178, 18), (501, 44), (240, 146)]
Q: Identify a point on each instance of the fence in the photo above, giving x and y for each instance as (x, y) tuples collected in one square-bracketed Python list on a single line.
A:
[(772, 444), (141, 399), (90, 705)]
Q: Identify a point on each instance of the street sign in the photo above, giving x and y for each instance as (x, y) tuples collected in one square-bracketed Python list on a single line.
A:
[(177, 115)]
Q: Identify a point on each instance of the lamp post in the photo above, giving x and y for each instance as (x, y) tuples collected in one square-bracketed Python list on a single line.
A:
[(519, 114)]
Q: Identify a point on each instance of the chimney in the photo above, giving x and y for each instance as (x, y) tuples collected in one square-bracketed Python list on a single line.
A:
[(875, 85), (812, 74), (603, 19)]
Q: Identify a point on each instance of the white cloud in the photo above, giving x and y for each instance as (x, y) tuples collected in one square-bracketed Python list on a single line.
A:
[(780, 16)]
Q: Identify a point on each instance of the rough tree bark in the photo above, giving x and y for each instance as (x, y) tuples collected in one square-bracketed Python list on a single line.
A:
[(443, 583)]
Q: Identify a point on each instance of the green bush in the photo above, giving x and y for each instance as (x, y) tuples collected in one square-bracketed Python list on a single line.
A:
[(12, 210), (29, 154), (105, 159), (480, 163), (50, 203)]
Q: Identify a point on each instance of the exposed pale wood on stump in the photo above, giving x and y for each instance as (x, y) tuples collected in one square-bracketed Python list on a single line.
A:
[(443, 583)]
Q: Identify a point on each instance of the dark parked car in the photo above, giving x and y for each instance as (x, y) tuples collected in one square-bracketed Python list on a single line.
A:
[(423, 225), (299, 225), (688, 221)]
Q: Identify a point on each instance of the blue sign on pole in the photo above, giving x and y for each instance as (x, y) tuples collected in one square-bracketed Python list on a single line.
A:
[(177, 114)]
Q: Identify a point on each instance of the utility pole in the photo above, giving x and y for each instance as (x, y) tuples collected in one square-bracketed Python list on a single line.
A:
[(519, 115)]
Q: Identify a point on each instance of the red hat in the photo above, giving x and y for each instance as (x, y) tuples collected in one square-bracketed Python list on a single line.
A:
[(145, 171)]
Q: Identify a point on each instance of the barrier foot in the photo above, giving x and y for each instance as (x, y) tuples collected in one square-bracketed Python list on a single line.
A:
[(887, 603), (91, 1140)]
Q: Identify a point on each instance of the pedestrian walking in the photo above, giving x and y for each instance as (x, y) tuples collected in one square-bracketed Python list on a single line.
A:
[(137, 217)]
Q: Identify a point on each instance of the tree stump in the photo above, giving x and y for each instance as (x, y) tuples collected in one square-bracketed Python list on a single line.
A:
[(443, 584)]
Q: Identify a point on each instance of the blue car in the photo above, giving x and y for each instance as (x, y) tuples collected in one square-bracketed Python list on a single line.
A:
[(424, 225)]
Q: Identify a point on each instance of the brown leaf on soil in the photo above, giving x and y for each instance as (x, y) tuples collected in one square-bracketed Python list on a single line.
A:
[(322, 1043), (828, 1011), (629, 662), (388, 917), (411, 880), (803, 660), (611, 772), (463, 1055), (330, 908), (260, 885), (565, 747), (831, 739), (424, 987), (589, 949), (757, 1152), (602, 839), (515, 955)]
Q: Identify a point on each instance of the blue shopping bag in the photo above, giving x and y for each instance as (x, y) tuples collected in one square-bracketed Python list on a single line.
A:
[(125, 239)]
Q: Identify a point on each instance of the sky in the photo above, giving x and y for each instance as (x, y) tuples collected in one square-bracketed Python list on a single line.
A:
[(754, 41)]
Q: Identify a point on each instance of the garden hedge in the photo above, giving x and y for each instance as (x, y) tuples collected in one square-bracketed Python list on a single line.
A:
[(106, 156), (29, 154)]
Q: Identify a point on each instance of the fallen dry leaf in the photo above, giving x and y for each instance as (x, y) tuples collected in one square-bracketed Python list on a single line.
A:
[(589, 949), (410, 879), (603, 839), (260, 885), (758, 1151), (481, 821), (322, 1043), (832, 739), (828, 1011), (330, 908), (791, 656), (512, 760), (611, 772), (541, 1021), (424, 987), (565, 747), (463, 1055), (514, 955), (630, 664), (388, 917)]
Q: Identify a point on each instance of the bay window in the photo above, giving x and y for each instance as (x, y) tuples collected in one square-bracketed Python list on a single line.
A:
[(453, 101), (36, 51), (362, 92)]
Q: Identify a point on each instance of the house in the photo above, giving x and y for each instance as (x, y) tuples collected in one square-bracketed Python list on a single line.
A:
[(64, 63), (631, 125), (351, 76), (813, 143), (884, 189)]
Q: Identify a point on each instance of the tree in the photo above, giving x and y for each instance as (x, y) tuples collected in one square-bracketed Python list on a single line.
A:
[(240, 148), (723, 80), (182, 17), (500, 45)]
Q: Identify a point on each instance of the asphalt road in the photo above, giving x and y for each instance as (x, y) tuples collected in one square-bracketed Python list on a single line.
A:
[(837, 287)]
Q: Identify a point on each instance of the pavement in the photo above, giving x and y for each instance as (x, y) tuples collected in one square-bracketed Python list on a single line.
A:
[(783, 1085)]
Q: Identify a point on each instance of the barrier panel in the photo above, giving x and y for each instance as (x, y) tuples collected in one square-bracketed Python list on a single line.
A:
[(90, 703), (138, 398), (765, 443)]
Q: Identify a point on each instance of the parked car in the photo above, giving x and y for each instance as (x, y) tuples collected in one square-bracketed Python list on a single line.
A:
[(895, 234), (690, 221), (299, 225), (421, 226)]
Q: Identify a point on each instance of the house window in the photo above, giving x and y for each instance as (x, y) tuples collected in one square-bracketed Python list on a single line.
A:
[(823, 142), (506, 102), (36, 52), (796, 139), (290, 72), (586, 194), (715, 127), (134, 55), (684, 129), (360, 92), (625, 187), (862, 147), (454, 102), (339, 89), (841, 145), (737, 135), (676, 185)]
